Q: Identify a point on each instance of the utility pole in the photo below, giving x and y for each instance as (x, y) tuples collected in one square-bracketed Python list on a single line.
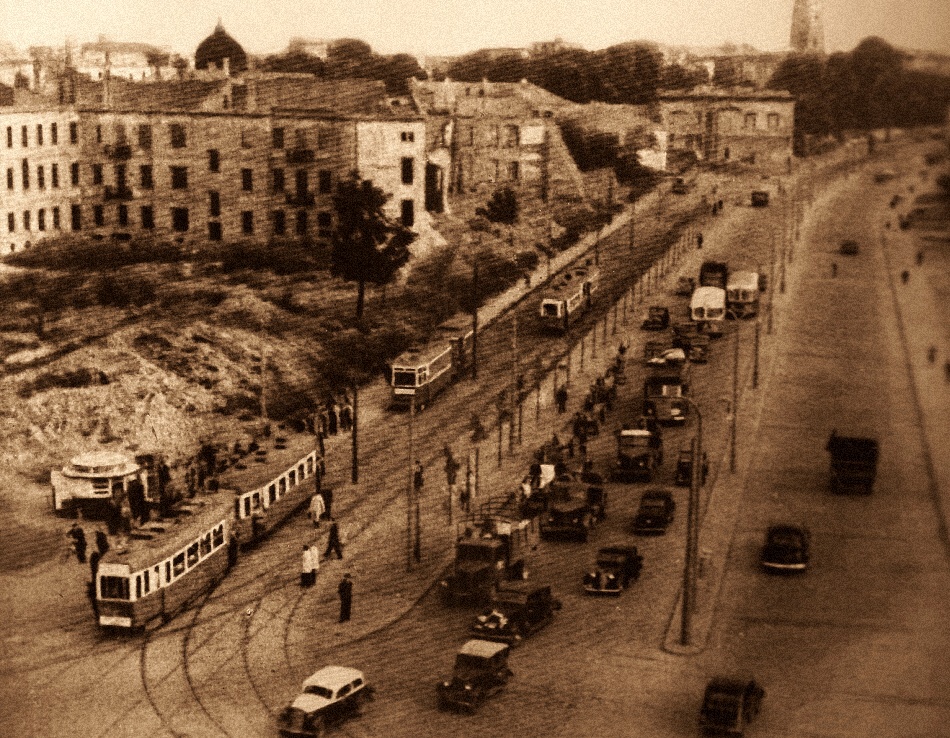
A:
[(515, 383), (692, 530), (409, 490), (735, 404), (755, 363), (475, 321), (264, 383), (355, 472)]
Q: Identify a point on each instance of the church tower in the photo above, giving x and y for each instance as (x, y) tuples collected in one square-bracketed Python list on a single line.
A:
[(808, 31)]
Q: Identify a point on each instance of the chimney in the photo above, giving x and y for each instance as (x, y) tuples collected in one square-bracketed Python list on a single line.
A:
[(107, 89)]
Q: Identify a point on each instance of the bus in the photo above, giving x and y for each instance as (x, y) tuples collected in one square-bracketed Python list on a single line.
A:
[(708, 308), (742, 295)]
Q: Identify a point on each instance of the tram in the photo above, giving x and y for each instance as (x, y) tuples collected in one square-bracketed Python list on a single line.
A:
[(167, 563), (422, 373), (568, 297), (708, 308), (742, 295)]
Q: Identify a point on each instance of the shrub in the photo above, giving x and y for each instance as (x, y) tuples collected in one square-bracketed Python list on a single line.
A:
[(68, 379)]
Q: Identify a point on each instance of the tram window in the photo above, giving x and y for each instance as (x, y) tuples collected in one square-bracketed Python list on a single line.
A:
[(100, 485), (309, 465), (282, 482), (138, 586), (272, 493), (293, 477), (206, 544), (158, 577), (178, 564), (114, 588), (247, 506), (219, 536), (145, 577), (300, 472), (168, 572), (256, 500), (192, 554)]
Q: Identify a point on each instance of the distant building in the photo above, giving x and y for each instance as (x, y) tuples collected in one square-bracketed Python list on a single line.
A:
[(739, 125), (131, 61), (220, 52), (808, 30), (16, 68)]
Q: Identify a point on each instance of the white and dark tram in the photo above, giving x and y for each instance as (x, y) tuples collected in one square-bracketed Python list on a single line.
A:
[(422, 373), (571, 293), (167, 563)]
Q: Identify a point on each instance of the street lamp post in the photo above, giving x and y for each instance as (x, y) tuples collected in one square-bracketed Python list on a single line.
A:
[(692, 530)]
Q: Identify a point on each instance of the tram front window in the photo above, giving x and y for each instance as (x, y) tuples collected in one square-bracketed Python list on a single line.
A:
[(404, 379), (550, 309), (114, 588)]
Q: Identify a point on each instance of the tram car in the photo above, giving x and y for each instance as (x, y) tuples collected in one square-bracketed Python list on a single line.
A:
[(166, 564), (422, 373), (571, 293)]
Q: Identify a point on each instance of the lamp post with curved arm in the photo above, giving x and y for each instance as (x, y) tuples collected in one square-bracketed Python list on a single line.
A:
[(692, 528)]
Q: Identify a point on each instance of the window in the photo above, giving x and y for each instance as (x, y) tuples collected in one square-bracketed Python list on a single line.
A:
[(41, 219), (75, 217), (9, 178), (214, 160), (26, 174), (41, 178), (408, 215), (97, 174), (56, 218), (11, 222), (25, 136), (511, 136), (219, 536), (247, 222), (302, 182), (73, 132), (145, 136), (147, 216), (9, 137), (98, 215), (178, 564), (278, 180), (247, 138), (513, 170), (324, 224), (214, 204), (179, 178), (206, 545), (145, 176), (326, 180), (54, 175), (247, 180), (773, 121), (407, 136), (114, 588), (26, 220), (280, 223), (192, 554), (74, 174), (407, 170), (180, 220), (749, 121), (301, 222), (177, 135), (123, 215), (39, 134), (53, 134), (277, 137), (214, 230)]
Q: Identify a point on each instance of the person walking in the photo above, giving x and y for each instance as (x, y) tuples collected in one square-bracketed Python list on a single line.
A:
[(465, 498), (699, 240), (102, 542), (334, 418), (345, 590), (335, 541), (94, 565), (317, 509), (560, 397), (79, 542), (328, 500), (834, 269), (308, 574)]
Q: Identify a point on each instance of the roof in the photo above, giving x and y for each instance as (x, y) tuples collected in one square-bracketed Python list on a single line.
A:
[(256, 474), (185, 95), (101, 463), (217, 47), (569, 282), (342, 97), (482, 649), (744, 279), (333, 677), (707, 294), (634, 433), (708, 92), (416, 356)]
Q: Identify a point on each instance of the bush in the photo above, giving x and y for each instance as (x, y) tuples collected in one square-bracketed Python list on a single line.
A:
[(69, 379), (69, 253)]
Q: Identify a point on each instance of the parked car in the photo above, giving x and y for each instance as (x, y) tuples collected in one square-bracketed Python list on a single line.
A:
[(658, 318), (849, 247), (685, 286), (655, 513), (481, 670), (684, 467), (328, 696), (729, 704), (786, 548), (518, 610), (615, 568)]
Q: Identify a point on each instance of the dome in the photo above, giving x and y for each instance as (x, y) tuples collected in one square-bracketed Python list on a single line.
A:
[(219, 46)]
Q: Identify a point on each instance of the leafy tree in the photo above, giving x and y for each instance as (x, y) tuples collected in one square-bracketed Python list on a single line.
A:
[(366, 245), (350, 57), (396, 70), (502, 207), (296, 62), (678, 77)]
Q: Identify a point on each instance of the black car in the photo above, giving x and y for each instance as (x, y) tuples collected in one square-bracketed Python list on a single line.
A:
[(518, 610), (658, 318), (615, 568), (684, 467), (729, 704), (481, 670), (786, 548), (655, 513)]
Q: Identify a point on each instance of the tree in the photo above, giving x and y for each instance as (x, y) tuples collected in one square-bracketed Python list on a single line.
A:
[(350, 57), (502, 207), (366, 245)]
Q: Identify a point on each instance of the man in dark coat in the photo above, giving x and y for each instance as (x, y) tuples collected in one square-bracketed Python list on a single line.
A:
[(334, 542), (102, 542), (79, 542), (345, 590)]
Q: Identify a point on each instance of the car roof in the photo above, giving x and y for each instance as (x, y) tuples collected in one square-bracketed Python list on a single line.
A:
[(635, 433), (656, 493), (333, 677), (482, 649)]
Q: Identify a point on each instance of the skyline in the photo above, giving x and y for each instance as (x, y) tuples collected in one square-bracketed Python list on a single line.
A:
[(453, 27)]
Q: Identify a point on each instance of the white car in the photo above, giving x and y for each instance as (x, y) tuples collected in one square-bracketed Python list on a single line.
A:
[(328, 696)]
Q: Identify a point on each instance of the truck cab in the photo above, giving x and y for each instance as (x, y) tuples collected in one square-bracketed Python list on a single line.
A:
[(663, 393), (639, 452), (487, 553)]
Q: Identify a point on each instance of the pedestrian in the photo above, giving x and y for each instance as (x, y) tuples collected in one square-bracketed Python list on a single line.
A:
[(79, 542), (346, 414), (333, 418), (699, 240), (719, 203), (94, 565), (102, 542), (417, 480), (328, 501), (465, 499), (525, 488), (309, 563), (317, 509), (345, 590), (834, 269), (233, 549), (905, 276), (561, 398), (932, 354), (335, 541)]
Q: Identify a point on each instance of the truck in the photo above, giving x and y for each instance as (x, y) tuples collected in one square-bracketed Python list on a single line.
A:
[(853, 463), (639, 453), (663, 391), (489, 551), (714, 274), (574, 507)]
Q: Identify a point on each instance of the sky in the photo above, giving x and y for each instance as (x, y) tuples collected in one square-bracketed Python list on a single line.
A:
[(437, 27)]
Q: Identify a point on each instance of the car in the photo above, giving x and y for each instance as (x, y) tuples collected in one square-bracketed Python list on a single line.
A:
[(658, 318), (729, 704), (685, 286), (684, 467), (518, 609), (328, 696), (760, 198), (655, 512), (849, 247), (786, 548), (481, 670), (573, 507), (698, 351), (683, 332), (615, 568)]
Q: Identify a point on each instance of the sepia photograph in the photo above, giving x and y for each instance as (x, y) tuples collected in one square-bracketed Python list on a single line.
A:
[(414, 369)]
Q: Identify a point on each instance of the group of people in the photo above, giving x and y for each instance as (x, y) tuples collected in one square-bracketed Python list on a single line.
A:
[(320, 509), (336, 416)]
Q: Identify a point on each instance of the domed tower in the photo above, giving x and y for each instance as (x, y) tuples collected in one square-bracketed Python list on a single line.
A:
[(218, 47)]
